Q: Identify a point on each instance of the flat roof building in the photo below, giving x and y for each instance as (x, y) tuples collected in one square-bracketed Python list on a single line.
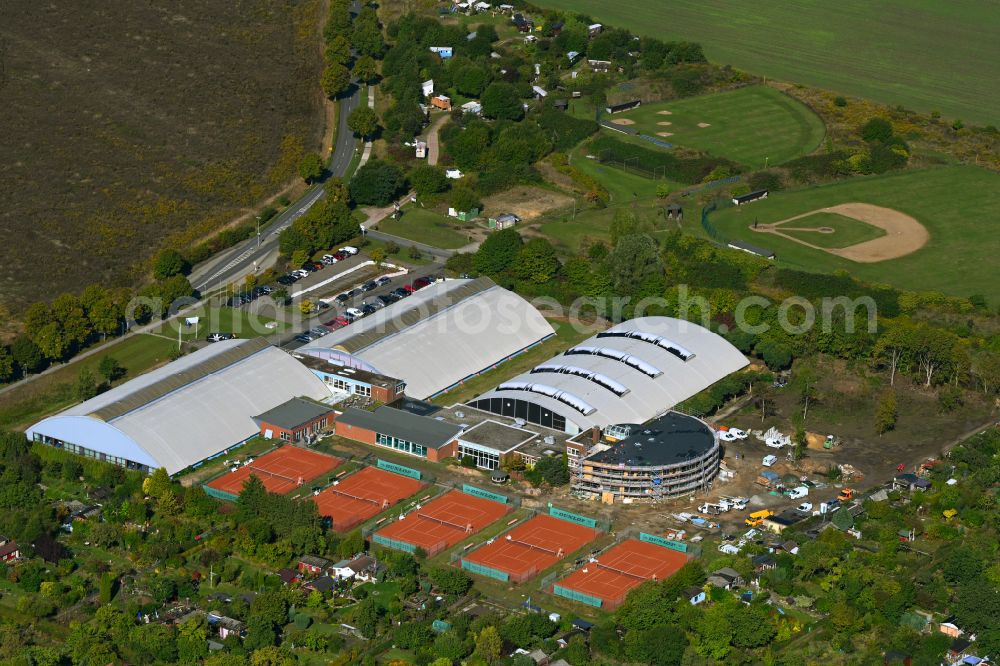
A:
[(420, 436), (295, 420)]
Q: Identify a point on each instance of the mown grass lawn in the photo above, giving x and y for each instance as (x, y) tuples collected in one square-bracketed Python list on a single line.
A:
[(250, 321), (923, 54), (750, 125), (956, 204), (424, 226)]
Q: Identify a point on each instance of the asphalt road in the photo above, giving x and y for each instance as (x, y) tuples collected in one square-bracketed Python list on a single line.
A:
[(250, 255)]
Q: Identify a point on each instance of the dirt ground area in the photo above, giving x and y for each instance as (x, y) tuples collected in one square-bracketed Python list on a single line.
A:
[(904, 234), (623, 121), (527, 203)]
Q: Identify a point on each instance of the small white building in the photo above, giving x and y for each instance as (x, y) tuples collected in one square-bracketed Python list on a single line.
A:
[(594, 29), (530, 39), (482, 6), (473, 107), (454, 174), (506, 9), (443, 51), (420, 149), (359, 569), (427, 87), (540, 92)]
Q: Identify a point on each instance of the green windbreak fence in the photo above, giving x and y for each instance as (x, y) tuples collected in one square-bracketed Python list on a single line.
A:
[(489, 572), (577, 596), (440, 625), (572, 517), (666, 543), (484, 494), (394, 543), (219, 494), (399, 469)]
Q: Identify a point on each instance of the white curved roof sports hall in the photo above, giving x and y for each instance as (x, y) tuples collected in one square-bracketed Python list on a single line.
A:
[(630, 373), (188, 410), (439, 336)]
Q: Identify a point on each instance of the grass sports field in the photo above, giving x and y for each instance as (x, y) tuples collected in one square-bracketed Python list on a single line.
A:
[(924, 54), (749, 125), (831, 230), (426, 227), (955, 204)]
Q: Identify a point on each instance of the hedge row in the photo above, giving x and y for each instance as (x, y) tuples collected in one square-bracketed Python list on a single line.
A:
[(687, 170)]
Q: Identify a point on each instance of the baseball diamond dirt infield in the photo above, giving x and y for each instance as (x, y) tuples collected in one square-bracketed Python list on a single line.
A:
[(903, 234), (360, 496), (281, 471), (532, 547), (443, 522), (625, 566)]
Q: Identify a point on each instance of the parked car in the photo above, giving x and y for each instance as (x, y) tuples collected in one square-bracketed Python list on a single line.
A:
[(219, 337), (354, 312), (337, 322), (739, 434), (384, 280), (319, 330), (727, 436), (805, 507), (342, 298), (349, 249), (328, 259), (420, 283), (400, 292), (353, 293), (769, 460), (368, 286), (388, 299), (286, 280), (410, 288), (375, 303), (368, 308), (340, 255), (300, 273)]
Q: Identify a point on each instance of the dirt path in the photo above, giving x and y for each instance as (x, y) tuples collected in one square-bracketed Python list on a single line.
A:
[(433, 144), (903, 234)]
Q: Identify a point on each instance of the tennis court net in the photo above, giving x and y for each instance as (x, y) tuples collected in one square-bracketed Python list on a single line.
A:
[(447, 523), (335, 491), (622, 572), (534, 546), (274, 475)]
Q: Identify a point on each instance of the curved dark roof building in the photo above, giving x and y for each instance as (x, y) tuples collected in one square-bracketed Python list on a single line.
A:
[(673, 455), (629, 373)]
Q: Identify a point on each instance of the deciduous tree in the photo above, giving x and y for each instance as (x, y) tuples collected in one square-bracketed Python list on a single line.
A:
[(311, 167), (363, 121)]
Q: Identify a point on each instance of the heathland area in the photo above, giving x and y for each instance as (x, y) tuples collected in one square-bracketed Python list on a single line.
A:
[(131, 126), (922, 54)]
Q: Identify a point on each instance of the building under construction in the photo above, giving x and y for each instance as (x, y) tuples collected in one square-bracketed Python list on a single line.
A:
[(668, 457)]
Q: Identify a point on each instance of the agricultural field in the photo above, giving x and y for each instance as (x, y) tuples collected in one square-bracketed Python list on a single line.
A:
[(952, 204), (755, 126), (127, 125), (923, 54)]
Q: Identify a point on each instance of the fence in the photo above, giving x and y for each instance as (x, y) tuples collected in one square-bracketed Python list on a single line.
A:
[(679, 546), (656, 142), (399, 469), (707, 225), (485, 494), (483, 570), (219, 494), (395, 544), (577, 519), (573, 595)]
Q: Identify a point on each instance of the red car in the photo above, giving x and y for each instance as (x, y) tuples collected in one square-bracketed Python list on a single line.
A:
[(420, 283), (337, 322), (410, 288)]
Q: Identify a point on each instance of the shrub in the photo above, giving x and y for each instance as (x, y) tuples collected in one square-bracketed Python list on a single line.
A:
[(687, 170)]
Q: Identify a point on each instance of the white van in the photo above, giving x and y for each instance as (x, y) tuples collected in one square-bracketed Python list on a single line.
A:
[(769, 460), (796, 493)]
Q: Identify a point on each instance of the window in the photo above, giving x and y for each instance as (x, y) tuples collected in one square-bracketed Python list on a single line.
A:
[(484, 459), (339, 384), (284, 436), (362, 389), (401, 445)]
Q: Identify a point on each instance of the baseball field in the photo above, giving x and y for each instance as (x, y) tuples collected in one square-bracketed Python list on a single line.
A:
[(925, 230), (753, 126), (923, 54)]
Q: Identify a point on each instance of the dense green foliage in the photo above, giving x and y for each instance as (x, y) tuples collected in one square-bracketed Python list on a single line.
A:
[(686, 170)]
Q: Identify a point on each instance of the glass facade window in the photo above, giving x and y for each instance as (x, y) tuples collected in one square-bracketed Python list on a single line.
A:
[(338, 384), (362, 389), (522, 409), (401, 445), (90, 453), (484, 459)]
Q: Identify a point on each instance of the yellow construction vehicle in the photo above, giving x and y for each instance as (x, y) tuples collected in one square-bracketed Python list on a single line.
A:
[(756, 519), (846, 495)]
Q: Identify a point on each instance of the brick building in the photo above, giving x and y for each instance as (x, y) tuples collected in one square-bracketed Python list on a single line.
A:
[(295, 420)]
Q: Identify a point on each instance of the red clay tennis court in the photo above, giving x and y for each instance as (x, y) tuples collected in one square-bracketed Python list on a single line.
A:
[(625, 566), (532, 547), (441, 523), (360, 496), (281, 471)]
